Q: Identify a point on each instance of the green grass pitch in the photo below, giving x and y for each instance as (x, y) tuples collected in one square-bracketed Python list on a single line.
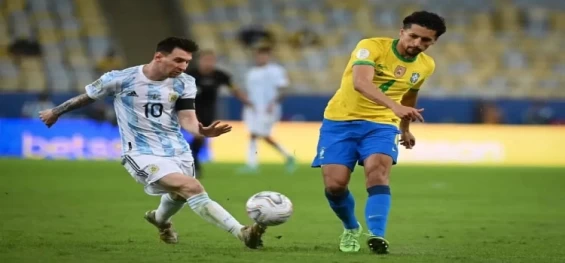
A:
[(59, 211)]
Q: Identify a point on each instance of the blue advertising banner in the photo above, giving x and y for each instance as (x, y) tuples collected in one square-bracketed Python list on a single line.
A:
[(67, 139)]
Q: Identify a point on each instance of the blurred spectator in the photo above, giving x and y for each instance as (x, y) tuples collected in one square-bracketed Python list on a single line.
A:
[(31, 109), (251, 35), (488, 113), (25, 47), (304, 38), (110, 62), (539, 113)]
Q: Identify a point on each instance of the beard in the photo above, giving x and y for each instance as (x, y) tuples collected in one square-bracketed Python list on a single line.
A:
[(413, 51)]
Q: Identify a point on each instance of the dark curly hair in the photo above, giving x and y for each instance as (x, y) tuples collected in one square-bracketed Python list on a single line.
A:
[(167, 45), (426, 19)]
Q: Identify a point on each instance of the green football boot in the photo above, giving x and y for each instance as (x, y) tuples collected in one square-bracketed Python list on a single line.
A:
[(349, 240)]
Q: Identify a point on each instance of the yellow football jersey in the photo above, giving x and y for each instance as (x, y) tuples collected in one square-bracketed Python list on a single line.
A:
[(394, 75)]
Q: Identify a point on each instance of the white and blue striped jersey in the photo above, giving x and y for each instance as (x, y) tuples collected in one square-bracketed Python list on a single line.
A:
[(263, 84), (145, 110)]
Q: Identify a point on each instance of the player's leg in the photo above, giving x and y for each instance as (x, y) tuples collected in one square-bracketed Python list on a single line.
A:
[(193, 192), (142, 168), (337, 155), (290, 162), (250, 122), (252, 163), (379, 151), (171, 177), (161, 218), (266, 122), (195, 147)]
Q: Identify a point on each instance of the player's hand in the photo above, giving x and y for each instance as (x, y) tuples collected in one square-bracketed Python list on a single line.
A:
[(408, 113), (407, 140), (48, 117), (214, 130)]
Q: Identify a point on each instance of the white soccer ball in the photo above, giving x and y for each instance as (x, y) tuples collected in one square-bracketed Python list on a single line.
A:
[(269, 208)]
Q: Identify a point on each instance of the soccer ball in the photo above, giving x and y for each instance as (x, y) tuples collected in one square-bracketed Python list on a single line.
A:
[(269, 208)]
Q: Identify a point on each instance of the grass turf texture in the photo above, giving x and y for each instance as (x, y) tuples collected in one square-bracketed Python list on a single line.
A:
[(59, 211)]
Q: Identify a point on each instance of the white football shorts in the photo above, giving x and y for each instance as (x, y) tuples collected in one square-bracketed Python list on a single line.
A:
[(148, 169), (261, 122)]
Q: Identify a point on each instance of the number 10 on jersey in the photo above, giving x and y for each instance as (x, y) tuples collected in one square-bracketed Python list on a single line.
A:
[(153, 109)]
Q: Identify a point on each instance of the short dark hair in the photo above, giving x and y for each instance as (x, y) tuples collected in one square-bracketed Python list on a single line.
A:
[(426, 19), (167, 45)]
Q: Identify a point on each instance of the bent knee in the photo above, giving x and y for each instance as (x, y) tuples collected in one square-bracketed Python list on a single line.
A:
[(336, 178), (176, 197), (377, 169), (190, 188)]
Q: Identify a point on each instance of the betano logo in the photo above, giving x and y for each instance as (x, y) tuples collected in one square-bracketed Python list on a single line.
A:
[(74, 147)]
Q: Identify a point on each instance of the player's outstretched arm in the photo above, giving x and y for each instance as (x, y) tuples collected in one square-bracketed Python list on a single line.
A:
[(104, 86), (407, 139), (409, 99), (238, 93), (50, 116), (189, 122), (73, 104)]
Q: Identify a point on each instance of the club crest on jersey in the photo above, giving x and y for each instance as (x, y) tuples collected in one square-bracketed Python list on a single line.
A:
[(173, 96), (414, 78), (152, 169), (399, 71)]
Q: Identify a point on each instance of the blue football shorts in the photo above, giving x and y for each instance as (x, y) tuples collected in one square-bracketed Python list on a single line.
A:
[(350, 142)]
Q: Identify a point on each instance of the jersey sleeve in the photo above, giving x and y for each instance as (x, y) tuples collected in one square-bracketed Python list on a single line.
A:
[(189, 91), (105, 86), (282, 78), (366, 53), (186, 100)]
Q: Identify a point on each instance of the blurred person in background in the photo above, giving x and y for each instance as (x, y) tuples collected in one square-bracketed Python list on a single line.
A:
[(488, 112), (209, 80), (539, 113), (30, 109), (304, 38), (25, 47), (251, 35), (264, 83)]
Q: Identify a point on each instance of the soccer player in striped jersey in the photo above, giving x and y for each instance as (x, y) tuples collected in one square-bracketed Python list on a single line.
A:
[(152, 102)]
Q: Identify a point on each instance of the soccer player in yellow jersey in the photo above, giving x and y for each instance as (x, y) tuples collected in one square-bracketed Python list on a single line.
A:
[(368, 117)]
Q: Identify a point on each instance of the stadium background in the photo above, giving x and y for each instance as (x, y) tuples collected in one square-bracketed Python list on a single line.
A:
[(497, 99), (499, 64)]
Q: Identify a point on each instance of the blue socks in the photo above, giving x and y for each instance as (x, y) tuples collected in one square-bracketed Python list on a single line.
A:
[(344, 207), (377, 208)]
